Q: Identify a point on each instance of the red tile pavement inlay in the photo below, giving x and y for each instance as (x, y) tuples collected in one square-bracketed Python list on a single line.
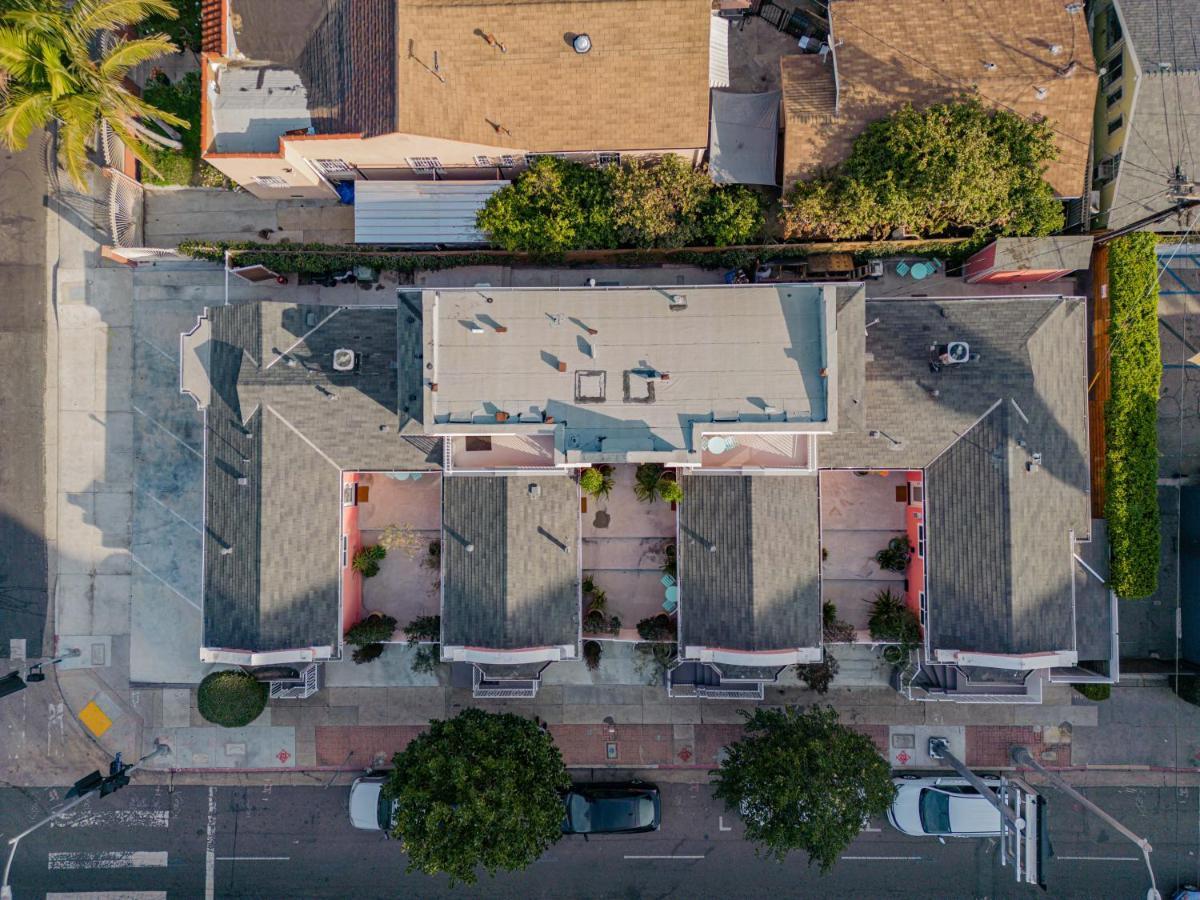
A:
[(988, 746), (335, 742)]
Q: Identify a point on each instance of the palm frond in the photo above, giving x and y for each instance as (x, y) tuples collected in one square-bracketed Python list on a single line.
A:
[(60, 79), (113, 15), (22, 112), (139, 108), (133, 144), (78, 119), (127, 54), (40, 21)]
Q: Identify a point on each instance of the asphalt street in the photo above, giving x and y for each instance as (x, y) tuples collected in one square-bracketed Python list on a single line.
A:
[(23, 587), (285, 842)]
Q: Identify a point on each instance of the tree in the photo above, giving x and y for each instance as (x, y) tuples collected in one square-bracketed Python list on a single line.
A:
[(374, 629), (231, 698), (596, 481), (481, 789), (892, 620), (592, 651), (818, 676), (657, 628), (658, 204), (803, 781), (956, 166), (731, 215), (50, 71)]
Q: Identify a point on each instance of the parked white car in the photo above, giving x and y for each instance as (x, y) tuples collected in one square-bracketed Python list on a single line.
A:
[(369, 810), (943, 807)]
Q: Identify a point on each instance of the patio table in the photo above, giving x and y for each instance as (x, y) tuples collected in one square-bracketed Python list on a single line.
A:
[(672, 598), (921, 270), (717, 445)]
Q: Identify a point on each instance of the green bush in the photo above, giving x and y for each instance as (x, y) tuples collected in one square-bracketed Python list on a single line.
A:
[(366, 560), (954, 167), (596, 481), (427, 658), (818, 676), (231, 698), (182, 167), (657, 628), (373, 629), (1131, 416), (367, 653), (1094, 691), (892, 620), (592, 651), (423, 628), (558, 205)]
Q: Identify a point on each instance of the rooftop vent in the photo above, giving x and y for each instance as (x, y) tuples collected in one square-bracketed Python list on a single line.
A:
[(678, 302), (954, 353), (1041, 93), (581, 43), (344, 360)]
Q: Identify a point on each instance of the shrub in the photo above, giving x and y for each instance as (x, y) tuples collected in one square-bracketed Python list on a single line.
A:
[(1094, 691), (957, 166), (181, 167), (1131, 417), (657, 628), (596, 482), (423, 628), (1187, 686), (592, 652), (653, 481), (366, 560), (671, 492), (894, 557), (654, 660), (670, 566), (731, 215), (658, 204), (367, 653), (231, 698), (818, 676), (427, 658), (892, 620), (373, 629), (835, 630)]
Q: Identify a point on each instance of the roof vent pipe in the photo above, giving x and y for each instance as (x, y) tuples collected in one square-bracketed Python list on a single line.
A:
[(581, 43)]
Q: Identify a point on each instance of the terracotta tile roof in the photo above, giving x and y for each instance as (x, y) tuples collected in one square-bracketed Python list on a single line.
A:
[(212, 27), (926, 51), (643, 85)]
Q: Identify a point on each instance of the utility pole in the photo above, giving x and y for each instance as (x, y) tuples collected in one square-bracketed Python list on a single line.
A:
[(118, 777), (13, 682), (1022, 757)]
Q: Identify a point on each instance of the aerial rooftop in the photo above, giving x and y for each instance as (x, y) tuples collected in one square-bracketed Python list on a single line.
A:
[(628, 370)]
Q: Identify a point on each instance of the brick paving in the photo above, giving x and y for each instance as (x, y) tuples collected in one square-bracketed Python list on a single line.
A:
[(371, 744), (988, 745)]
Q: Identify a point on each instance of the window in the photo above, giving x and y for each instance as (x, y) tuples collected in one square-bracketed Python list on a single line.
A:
[(916, 492), (1113, 69), (425, 163), (508, 161), (1114, 97), (1106, 169), (922, 596), (332, 166), (345, 550), (1116, 124), (483, 161), (1112, 28), (272, 181), (608, 159), (920, 541)]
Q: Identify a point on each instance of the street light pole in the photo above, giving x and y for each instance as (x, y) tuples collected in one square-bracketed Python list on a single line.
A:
[(5, 889), (1022, 757)]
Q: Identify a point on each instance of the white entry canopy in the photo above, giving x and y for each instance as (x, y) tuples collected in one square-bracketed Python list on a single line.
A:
[(743, 137), (420, 212)]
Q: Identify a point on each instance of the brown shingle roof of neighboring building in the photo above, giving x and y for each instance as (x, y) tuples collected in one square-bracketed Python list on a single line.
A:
[(927, 51), (643, 85)]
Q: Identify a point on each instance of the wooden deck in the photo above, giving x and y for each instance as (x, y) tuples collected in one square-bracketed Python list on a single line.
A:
[(1099, 384)]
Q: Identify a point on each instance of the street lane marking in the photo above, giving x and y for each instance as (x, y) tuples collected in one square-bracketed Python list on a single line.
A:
[(108, 895), (891, 858), (126, 818), (249, 858), (1101, 858), (107, 859), (665, 857), (210, 855), (869, 828), (721, 826)]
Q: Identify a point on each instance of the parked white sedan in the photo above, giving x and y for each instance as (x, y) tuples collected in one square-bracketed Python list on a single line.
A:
[(943, 807)]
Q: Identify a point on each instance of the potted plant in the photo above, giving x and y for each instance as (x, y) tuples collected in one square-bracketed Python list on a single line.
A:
[(894, 557), (366, 561), (596, 481)]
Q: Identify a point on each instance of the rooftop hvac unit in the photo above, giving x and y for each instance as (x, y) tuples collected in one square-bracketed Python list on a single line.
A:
[(955, 352), (343, 360), (678, 302)]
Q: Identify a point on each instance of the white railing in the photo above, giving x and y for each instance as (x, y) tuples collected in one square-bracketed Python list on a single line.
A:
[(721, 693), (284, 690), (124, 208), (499, 690)]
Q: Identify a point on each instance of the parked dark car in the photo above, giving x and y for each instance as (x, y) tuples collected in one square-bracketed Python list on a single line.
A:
[(611, 809)]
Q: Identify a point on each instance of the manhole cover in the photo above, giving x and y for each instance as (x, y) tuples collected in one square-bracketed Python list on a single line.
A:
[(602, 519)]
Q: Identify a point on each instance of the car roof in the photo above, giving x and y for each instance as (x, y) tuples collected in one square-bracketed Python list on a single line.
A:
[(972, 814)]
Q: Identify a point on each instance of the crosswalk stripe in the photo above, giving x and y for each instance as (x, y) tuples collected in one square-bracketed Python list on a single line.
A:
[(107, 859), (125, 818)]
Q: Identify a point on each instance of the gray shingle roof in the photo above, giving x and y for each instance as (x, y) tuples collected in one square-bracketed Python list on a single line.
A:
[(281, 419), (1012, 531), (519, 585), (851, 362), (1162, 31), (759, 590)]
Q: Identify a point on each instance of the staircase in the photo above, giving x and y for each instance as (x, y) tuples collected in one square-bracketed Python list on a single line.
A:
[(859, 665), (696, 679), (306, 685), (482, 688)]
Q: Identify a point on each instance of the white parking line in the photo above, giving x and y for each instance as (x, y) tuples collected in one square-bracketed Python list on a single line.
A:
[(107, 859), (1101, 858), (889, 858), (210, 856), (122, 818), (665, 857)]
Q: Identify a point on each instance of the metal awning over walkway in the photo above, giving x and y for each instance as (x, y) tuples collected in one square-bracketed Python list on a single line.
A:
[(420, 213)]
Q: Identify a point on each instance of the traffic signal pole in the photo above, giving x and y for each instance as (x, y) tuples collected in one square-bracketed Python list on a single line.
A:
[(118, 772)]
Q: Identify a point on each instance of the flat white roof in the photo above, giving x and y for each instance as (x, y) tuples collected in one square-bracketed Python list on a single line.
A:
[(629, 370)]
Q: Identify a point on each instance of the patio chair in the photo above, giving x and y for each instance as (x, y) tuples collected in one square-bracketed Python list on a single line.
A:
[(670, 605), (668, 581), (902, 269)]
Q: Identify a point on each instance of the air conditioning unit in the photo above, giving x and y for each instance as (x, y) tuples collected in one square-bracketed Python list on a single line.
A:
[(343, 360), (955, 352)]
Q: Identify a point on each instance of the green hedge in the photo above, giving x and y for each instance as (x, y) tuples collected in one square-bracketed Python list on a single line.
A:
[(1131, 416), (231, 698), (1096, 692)]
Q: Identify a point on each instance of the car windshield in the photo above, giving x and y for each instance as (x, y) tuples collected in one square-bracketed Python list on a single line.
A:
[(935, 812), (579, 813), (383, 811)]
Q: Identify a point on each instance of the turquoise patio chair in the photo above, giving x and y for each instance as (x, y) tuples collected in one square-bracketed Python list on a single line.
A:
[(902, 269)]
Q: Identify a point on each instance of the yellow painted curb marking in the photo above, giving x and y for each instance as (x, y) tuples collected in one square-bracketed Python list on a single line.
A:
[(95, 719)]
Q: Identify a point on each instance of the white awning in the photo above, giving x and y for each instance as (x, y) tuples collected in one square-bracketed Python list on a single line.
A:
[(420, 212), (743, 137)]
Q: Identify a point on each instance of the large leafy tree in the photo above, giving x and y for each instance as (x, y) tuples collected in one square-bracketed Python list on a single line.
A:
[(952, 167), (56, 65), (803, 781), (481, 789)]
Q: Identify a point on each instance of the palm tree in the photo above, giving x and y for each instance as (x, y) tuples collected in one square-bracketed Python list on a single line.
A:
[(56, 65)]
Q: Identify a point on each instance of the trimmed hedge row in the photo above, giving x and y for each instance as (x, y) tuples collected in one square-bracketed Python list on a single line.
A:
[(1131, 416)]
